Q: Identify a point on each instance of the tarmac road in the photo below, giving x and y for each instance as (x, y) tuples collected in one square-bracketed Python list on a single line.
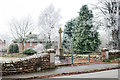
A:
[(102, 74)]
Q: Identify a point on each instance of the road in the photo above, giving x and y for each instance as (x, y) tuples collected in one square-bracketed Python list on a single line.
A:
[(102, 74)]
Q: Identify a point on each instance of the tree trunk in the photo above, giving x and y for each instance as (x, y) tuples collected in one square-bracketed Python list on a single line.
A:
[(49, 37), (23, 42), (115, 36), (22, 46)]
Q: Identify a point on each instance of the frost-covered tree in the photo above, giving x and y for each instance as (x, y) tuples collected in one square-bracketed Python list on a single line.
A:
[(85, 38), (6, 39), (48, 22), (39, 48), (68, 34), (20, 28), (109, 17)]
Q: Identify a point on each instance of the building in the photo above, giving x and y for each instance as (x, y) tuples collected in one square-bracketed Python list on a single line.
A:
[(2, 45), (32, 40)]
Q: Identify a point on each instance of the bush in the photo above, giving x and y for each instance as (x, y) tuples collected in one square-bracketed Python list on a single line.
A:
[(39, 48), (16, 49), (48, 45), (13, 48), (107, 60), (29, 51)]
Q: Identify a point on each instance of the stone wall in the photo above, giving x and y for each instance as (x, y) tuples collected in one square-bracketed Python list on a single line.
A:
[(33, 63), (114, 54)]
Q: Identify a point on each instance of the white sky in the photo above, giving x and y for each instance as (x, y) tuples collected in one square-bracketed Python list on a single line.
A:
[(21, 8)]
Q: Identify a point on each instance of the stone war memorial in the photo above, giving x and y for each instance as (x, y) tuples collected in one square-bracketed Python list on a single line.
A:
[(80, 43), (60, 51)]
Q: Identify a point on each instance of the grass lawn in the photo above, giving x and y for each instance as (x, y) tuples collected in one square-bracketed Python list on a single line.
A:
[(84, 55), (13, 55)]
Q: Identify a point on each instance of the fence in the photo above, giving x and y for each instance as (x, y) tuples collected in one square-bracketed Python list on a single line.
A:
[(79, 59)]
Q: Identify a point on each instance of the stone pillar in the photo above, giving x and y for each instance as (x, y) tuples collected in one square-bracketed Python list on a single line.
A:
[(51, 53), (105, 53), (60, 49)]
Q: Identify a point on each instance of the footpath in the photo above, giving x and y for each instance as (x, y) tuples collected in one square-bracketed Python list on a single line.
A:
[(65, 69)]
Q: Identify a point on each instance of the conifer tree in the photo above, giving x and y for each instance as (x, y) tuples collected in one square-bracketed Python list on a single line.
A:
[(85, 38)]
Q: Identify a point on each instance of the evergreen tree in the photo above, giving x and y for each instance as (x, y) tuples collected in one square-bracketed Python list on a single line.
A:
[(84, 37), (67, 34), (13, 48), (16, 49)]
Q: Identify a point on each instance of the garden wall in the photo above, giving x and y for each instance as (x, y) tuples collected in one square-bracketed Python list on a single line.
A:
[(110, 54), (114, 54), (33, 63)]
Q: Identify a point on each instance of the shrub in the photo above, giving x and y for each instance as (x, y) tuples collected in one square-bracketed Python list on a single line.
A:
[(48, 45), (13, 48), (16, 49), (107, 60), (39, 48), (29, 51)]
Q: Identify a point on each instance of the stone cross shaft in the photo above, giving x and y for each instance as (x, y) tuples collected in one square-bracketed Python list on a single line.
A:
[(60, 31)]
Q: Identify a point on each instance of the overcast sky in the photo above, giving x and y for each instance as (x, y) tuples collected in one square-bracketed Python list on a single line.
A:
[(21, 8)]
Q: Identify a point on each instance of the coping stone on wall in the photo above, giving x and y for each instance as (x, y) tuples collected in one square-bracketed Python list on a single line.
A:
[(25, 58)]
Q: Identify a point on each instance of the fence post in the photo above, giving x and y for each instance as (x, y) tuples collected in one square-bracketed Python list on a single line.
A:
[(72, 59), (89, 58)]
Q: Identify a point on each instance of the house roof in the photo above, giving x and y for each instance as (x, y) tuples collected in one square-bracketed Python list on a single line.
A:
[(30, 38), (36, 38)]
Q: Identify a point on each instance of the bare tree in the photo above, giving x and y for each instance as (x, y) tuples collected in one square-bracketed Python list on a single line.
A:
[(109, 17), (48, 21), (21, 28)]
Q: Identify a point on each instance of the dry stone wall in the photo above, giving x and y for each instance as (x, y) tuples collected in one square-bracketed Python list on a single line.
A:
[(114, 54), (110, 54), (33, 63)]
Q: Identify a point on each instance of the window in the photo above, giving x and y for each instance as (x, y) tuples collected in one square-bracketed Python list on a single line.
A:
[(115, 8), (30, 43), (115, 12)]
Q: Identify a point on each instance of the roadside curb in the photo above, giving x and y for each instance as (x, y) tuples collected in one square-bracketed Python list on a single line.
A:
[(72, 73)]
